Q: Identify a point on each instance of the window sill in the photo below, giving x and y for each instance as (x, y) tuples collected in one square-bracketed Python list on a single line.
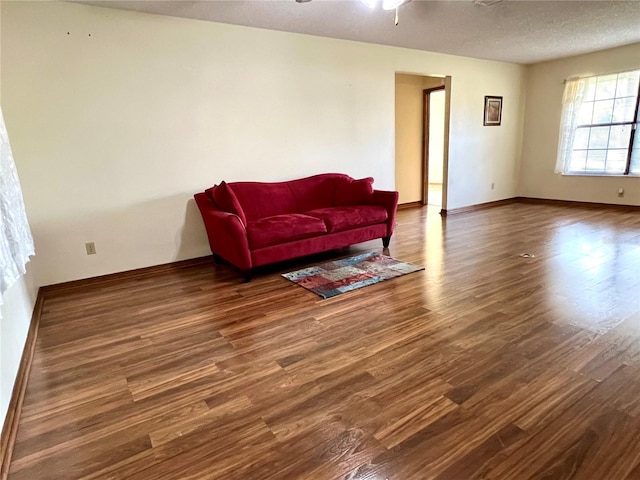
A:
[(603, 175)]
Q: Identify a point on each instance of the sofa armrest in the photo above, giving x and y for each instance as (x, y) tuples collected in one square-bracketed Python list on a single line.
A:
[(388, 200), (226, 232)]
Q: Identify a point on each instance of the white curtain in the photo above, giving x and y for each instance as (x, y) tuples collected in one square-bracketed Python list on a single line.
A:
[(16, 242), (574, 92)]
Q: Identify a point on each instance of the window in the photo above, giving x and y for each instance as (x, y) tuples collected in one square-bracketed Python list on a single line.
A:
[(598, 133)]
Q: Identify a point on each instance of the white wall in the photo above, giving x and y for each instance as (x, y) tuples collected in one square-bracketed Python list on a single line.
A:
[(15, 318), (479, 155), (542, 123), (114, 132)]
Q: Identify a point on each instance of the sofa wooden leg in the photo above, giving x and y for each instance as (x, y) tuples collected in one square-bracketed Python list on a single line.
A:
[(385, 242), (246, 276)]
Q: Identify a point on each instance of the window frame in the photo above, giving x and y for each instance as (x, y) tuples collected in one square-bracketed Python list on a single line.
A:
[(634, 125)]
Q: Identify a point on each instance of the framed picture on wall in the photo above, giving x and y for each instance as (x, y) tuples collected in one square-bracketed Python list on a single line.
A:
[(492, 110)]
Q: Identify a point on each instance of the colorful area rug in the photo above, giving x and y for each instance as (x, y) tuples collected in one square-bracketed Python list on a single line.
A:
[(340, 276)]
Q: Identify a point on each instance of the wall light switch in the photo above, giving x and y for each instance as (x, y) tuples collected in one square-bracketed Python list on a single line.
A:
[(621, 192)]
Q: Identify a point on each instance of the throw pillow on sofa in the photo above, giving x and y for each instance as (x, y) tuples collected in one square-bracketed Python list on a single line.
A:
[(226, 200), (354, 192)]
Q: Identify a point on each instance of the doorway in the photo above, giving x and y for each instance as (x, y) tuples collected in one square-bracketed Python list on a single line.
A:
[(433, 145), (421, 139)]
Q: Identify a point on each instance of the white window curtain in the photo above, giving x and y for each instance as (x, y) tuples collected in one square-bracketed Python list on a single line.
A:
[(574, 93), (16, 242)]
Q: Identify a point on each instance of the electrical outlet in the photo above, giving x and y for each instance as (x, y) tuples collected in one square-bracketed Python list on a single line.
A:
[(492, 185), (91, 248), (621, 192)]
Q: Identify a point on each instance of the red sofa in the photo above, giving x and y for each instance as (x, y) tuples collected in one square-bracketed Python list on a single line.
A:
[(250, 224)]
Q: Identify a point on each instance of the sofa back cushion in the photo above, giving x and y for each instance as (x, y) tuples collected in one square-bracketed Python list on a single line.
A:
[(354, 192), (262, 199), (266, 199), (317, 191), (255, 200)]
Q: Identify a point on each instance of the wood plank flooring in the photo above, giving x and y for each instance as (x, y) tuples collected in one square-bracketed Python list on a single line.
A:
[(485, 365)]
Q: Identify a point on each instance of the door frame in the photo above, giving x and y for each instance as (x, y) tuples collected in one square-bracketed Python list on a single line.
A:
[(426, 96)]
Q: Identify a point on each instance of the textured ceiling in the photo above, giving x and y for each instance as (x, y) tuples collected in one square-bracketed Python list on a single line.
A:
[(512, 31)]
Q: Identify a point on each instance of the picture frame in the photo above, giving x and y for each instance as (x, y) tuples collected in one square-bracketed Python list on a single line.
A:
[(492, 110)]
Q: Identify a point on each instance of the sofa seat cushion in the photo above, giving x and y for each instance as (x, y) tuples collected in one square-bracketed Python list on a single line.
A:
[(283, 228), (339, 219)]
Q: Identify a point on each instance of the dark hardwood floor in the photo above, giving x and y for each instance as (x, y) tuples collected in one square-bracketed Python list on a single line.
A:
[(484, 366)]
